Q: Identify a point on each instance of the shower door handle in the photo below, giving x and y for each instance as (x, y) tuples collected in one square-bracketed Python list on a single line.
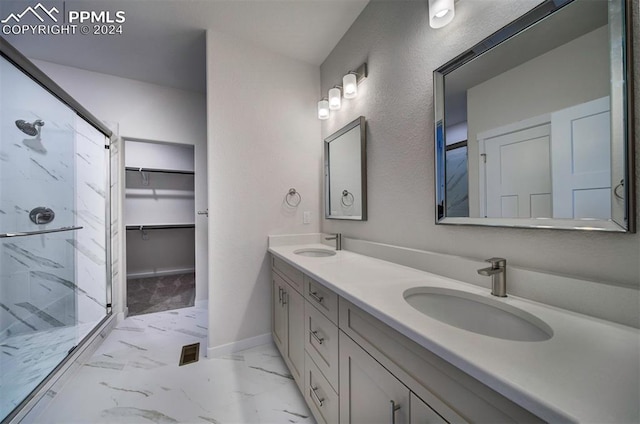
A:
[(33, 233)]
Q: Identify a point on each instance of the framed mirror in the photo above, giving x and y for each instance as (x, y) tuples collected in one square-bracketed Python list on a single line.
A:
[(345, 170), (533, 126)]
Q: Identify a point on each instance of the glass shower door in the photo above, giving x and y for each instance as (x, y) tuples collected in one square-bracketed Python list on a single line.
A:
[(53, 233)]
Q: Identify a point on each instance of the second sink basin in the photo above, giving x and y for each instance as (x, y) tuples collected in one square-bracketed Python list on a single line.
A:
[(478, 314), (316, 253)]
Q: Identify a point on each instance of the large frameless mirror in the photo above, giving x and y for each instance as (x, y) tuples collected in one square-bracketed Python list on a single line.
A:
[(533, 125), (346, 172)]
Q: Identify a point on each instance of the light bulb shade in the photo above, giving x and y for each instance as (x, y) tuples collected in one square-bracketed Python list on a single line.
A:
[(335, 100), (441, 12), (323, 109), (350, 86)]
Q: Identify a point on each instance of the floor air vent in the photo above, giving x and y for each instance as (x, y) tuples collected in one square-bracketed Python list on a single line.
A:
[(190, 354)]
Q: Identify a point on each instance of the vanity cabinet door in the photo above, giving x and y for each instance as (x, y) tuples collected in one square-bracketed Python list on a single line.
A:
[(369, 394), (421, 413), (278, 314), (294, 303)]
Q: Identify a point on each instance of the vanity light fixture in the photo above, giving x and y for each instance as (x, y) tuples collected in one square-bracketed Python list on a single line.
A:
[(350, 85), (349, 90), (335, 100), (323, 109), (352, 79), (441, 12)]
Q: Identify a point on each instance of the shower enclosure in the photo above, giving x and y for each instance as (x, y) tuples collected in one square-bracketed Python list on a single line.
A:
[(54, 228)]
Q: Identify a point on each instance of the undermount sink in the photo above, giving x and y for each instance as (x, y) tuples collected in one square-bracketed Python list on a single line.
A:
[(478, 314), (315, 253)]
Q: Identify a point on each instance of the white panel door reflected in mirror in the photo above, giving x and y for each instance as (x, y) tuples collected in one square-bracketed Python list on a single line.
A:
[(533, 125), (345, 173)]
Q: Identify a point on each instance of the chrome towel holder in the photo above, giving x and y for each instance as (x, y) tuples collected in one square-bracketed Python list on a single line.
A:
[(615, 190), (346, 194), (293, 198)]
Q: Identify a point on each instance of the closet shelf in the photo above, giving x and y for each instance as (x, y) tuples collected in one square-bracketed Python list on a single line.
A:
[(159, 226), (165, 171)]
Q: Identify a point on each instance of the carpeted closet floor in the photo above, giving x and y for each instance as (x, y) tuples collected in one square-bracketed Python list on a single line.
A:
[(155, 294)]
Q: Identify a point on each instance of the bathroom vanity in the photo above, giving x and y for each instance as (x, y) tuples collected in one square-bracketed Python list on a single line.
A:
[(361, 351)]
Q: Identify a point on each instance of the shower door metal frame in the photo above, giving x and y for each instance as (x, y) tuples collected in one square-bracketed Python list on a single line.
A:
[(11, 54)]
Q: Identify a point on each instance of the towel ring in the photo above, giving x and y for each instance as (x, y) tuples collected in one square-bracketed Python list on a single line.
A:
[(615, 190), (293, 198), (345, 195)]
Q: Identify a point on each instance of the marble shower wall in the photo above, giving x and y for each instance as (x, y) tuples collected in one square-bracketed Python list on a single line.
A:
[(57, 279), (91, 161)]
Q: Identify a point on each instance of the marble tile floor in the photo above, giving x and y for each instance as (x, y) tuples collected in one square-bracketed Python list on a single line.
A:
[(134, 377), (27, 359), (155, 294)]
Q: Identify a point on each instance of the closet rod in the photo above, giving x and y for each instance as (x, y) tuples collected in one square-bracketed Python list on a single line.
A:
[(159, 226), (166, 171)]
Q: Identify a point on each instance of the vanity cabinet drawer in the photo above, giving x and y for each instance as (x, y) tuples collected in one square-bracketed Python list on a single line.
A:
[(322, 298), (453, 394), (320, 396), (290, 273), (321, 343)]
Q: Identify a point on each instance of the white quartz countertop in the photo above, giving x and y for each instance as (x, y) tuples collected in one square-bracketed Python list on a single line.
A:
[(589, 371)]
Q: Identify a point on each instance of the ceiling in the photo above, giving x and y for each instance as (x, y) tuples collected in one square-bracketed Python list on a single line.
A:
[(163, 41)]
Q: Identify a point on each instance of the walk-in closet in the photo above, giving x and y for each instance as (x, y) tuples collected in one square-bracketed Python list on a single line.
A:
[(159, 211)]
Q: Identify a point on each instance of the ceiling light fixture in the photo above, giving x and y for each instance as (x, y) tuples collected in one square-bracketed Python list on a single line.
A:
[(441, 13)]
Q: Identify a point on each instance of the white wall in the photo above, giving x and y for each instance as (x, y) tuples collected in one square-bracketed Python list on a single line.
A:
[(147, 112), (264, 138), (402, 51)]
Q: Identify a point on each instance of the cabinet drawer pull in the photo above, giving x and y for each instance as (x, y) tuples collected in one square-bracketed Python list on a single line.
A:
[(315, 395), (285, 295), (394, 408), (314, 296), (315, 336), (280, 295)]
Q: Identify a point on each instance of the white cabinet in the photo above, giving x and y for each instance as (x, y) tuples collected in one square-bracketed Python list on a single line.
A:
[(362, 371), (295, 337), (321, 343), (421, 413), (287, 318), (369, 394), (321, 347), (320, 396), (278, 314)]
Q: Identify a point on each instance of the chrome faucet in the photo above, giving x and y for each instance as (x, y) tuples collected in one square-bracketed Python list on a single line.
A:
[(338, 238), (498, 273)]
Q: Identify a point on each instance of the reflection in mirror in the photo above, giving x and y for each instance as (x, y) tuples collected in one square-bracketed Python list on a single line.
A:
[(345, 173), (532, 129)]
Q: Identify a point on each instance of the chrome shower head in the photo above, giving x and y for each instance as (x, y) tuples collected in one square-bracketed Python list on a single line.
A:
[(32, 129)]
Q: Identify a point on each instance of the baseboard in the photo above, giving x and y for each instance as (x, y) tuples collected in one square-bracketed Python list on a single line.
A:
[(165, 273), (229, 348), (121, 316), (202, 304)]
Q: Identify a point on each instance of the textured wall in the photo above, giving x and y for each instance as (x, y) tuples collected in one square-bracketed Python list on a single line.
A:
[(264, 138), (402, 51)]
